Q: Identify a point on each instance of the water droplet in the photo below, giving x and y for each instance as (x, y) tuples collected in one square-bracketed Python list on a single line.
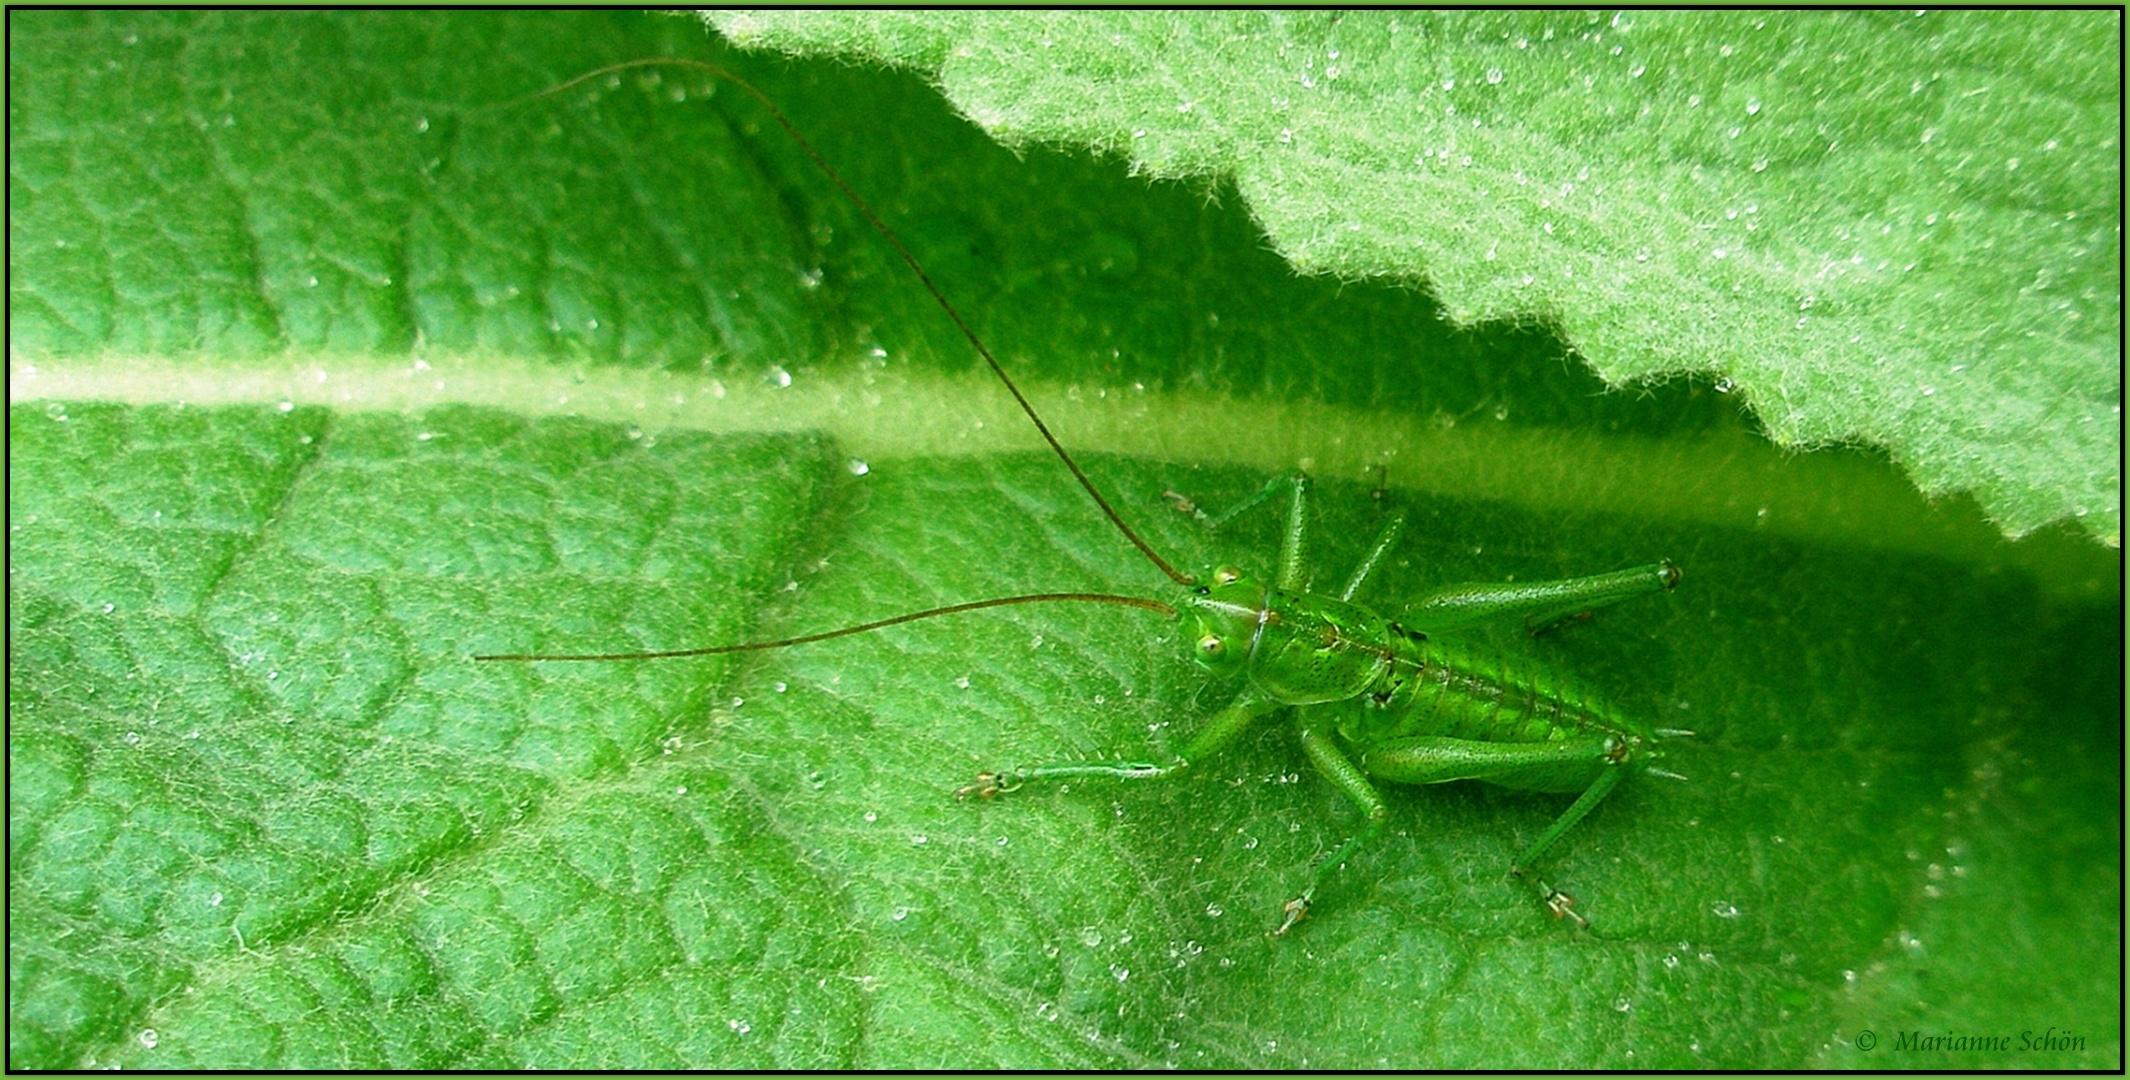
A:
[(1752, 106), (1636, 71), (920, 839), (962, 682), (1090, 937), (899, 914), (871, 816), (1493, 75), (779, 687), (739, 1027), (776, 376), (858, 467), (148, 1038), (1724, 909)]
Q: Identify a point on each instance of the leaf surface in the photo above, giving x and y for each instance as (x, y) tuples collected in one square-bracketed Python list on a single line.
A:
[(319, 392)]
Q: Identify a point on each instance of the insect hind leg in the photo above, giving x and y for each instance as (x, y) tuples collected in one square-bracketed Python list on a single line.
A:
[(1541, 604)]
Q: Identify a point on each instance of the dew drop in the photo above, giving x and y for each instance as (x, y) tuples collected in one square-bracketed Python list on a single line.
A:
[(858, 467)]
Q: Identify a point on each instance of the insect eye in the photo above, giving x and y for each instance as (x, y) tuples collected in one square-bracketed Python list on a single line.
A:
[(1212, 645), (1227, 575)]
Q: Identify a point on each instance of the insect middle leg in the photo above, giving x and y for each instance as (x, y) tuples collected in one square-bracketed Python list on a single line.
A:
[(1329, 760)]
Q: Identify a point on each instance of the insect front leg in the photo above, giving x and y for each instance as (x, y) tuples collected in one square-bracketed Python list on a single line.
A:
[(1329, 760), (1294, 541), (1384, 540), (1541, 603), (1224, 728)]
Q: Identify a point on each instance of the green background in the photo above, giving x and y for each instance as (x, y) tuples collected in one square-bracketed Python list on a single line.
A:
[(264, 812)]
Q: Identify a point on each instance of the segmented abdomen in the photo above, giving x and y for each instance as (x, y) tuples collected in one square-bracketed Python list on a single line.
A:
[(1432, 689)]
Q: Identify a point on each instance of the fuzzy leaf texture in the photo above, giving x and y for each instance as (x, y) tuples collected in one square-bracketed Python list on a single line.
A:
[(1896, 229), (338, 357)]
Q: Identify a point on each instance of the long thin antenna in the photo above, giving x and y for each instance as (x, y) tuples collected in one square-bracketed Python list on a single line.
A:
[(954, 609), (880, 227)]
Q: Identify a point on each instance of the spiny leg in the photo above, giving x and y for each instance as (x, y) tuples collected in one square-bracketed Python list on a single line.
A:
[(1541, 603), (1384, 540), (1325, 754), (1560, 903), (1224, 728), (1435, 759), (1293, 574)]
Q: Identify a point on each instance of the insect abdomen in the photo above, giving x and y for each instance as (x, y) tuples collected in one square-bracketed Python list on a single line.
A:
[(1431, 691)]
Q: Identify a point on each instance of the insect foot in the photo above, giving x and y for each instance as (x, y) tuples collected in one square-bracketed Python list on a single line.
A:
[(989, 784), (1297, 909), (1562, 906)]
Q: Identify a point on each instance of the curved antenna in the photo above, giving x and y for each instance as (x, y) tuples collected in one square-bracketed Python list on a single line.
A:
[(880, 227), (952, 609)]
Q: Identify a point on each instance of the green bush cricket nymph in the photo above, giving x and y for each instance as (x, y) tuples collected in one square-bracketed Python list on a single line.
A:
[(1371, 698)]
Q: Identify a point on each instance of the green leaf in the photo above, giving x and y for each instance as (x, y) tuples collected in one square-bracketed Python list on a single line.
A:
[(1892, 228), (614, 369)]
